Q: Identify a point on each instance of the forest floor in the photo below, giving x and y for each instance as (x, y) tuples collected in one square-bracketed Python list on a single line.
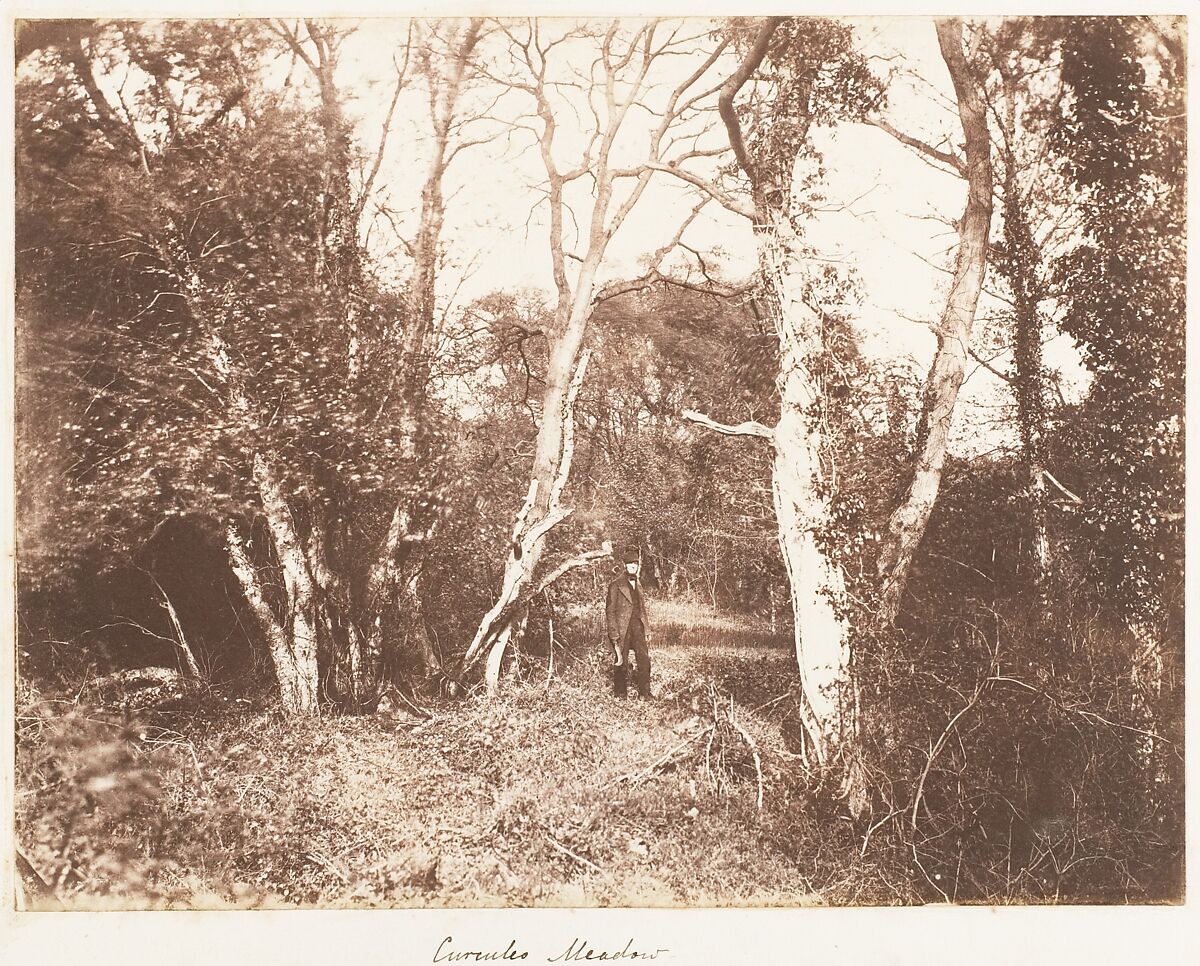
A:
[(555, 793)]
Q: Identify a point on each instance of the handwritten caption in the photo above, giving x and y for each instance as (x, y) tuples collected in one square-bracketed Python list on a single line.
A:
[(578, 951)]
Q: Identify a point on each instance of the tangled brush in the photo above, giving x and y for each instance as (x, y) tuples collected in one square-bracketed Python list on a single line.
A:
[(723, 750), (730, 754)]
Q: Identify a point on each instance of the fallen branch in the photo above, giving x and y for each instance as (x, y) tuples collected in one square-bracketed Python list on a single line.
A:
[(181, 642), (41, 885), (417, 709), (646, 772), (574, 855)]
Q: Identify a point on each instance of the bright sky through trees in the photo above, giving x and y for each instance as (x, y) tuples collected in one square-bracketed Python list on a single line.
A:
[(886, 215)]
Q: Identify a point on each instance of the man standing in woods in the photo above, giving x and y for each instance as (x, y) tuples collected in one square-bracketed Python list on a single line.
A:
[(628, 630)]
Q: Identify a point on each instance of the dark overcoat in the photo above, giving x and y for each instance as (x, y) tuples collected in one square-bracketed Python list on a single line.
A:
[(622, 604)]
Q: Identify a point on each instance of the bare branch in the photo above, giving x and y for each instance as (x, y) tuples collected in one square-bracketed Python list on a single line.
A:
[(718, 195), (656, 259), (383, 136), (572, 563), (750, 63), (945, 157), (748, 428), (1074, 498)]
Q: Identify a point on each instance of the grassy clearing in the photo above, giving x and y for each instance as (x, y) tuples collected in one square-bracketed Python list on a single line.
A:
[(554, 794)]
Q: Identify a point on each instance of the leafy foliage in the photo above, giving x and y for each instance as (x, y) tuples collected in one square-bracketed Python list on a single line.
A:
[(1122, 144), (814, 77)]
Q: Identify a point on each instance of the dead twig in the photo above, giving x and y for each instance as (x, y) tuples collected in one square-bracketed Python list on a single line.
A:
[(646, 772), (871, 831), (933, 752), (167, 737), (754, 751), (574, 855), (326, 864), (770, 704)]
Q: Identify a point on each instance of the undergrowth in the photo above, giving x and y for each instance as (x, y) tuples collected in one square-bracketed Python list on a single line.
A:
[(557, 793)]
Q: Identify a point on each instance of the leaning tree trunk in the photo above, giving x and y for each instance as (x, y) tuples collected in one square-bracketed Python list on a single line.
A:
[(540, 513), (906, 528)]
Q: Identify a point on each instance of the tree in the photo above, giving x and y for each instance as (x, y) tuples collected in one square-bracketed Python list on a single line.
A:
[(811, 77), (1021, 106), (620, 78), (1121, 141), (906, 526), (226, 234)]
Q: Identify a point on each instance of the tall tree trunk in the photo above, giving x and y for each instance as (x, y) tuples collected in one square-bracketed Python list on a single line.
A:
[(293, 639), (801, 494), (802, 510), (576, 299), (1029, 385), (445, 92), (1021, 268), (906, 527), (392, 585)]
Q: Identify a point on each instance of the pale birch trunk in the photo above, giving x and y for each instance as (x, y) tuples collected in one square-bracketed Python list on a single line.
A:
[(906, 527), (297, 680), (621, 78), (801, 494), (802, 510), (1039, 552), (540, 513), (292, 641), (803, 514), (303, 619)]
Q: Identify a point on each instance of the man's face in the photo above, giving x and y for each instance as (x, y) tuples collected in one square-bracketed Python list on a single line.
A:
[(632, 568)]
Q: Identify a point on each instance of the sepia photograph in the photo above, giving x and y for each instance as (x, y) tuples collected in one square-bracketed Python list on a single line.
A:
[(509, 462)]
